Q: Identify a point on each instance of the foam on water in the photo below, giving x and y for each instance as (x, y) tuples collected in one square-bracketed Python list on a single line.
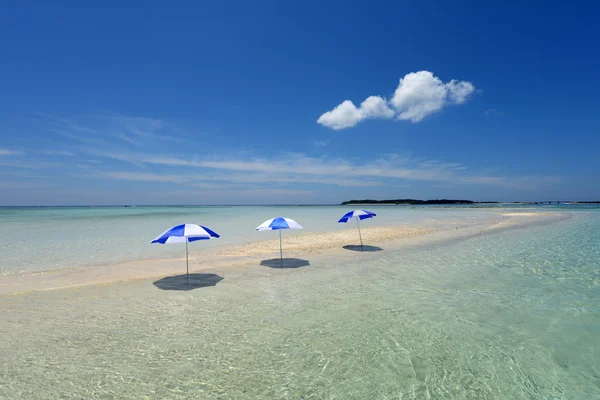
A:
[(511, 314)]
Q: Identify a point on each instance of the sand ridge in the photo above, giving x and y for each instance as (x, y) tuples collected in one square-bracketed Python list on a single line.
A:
[(250, 254), (526, 214), (320, 241)]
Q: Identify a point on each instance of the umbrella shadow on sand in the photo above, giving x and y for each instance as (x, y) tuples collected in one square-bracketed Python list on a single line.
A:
[(187, 282), (287, 263), (354, 247)]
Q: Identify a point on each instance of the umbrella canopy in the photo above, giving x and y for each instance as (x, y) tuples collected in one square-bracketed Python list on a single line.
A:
[(358, 214), (185, 233), (277, 224)]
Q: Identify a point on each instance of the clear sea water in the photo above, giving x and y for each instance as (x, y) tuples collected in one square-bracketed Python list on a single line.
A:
[(513, 314), (48, 238)]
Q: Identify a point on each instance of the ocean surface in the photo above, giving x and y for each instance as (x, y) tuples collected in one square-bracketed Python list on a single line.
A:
[(36, 239), (513, 314)]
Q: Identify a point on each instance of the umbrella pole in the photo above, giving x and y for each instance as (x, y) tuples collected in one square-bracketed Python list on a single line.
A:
[(280, 249), (187, 268), (359, 234)]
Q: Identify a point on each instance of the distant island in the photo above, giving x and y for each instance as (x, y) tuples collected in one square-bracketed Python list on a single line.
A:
[(447, 201), (416, 202)]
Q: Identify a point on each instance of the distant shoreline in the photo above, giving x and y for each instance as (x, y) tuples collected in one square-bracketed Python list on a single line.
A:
[(451, 202), (416, 202), (351, 202)]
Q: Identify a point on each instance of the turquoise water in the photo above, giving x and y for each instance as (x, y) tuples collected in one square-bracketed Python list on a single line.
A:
[(505, 315), (48, 238)]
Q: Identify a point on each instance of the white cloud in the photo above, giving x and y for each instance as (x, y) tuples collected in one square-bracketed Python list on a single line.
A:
[(101, 128), (81, 139), (346, 115), (8, 152), (293, 168), (140, 126), (143, 128), (376, 107), (226, 177), (283, 193), (255, 196), (30, 164), (459, 91), (58, 153), (145, 177), (418, 95)]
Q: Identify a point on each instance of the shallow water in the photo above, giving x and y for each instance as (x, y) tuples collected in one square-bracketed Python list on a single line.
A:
[(49, 238), (508, 315)]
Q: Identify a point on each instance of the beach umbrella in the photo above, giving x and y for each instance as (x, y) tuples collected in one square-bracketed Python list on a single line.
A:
[(277, 224), (358, 214), (185, 233)]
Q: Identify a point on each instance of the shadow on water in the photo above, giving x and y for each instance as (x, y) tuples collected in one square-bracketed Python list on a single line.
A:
[(183, 282), (287, 263), (354, 247)]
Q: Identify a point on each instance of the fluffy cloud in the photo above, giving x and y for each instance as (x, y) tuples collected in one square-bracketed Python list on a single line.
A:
[(418, 95), (347, 115)]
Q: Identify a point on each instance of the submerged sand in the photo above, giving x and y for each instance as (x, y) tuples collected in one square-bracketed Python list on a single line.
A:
[(250, 254), (223, 258), (468, 320), (526, 214), (320, 241)]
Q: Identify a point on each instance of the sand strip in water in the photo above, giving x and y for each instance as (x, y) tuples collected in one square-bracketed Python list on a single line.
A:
[(321, 241), (252, 253)]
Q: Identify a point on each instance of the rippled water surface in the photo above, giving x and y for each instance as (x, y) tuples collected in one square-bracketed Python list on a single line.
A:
[(50, 238), (509, 315)]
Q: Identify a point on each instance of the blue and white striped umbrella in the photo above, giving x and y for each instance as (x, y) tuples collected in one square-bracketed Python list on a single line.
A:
[(185, 233), (358, 214), (278, 224)]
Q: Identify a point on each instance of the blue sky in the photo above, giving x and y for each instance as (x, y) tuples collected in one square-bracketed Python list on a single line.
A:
[(262, 102)]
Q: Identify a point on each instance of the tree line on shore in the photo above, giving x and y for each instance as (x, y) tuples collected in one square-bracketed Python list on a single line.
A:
[(447, 201)]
